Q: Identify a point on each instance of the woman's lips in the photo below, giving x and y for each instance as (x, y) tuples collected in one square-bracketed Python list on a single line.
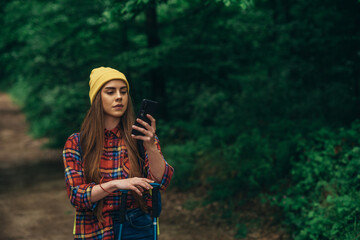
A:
[(118, 106)]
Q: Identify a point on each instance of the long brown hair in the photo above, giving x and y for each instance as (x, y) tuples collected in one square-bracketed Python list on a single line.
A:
[(92, 145)]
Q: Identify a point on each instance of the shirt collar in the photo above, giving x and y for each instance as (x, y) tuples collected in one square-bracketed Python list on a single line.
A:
[(115, 132)]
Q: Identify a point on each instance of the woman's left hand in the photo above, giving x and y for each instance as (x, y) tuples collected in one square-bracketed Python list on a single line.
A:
[(148, 131)]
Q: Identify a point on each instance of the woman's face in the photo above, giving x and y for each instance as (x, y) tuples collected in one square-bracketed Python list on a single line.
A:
[(114, 96)]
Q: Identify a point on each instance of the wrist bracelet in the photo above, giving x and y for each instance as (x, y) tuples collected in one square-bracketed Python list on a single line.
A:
[(110, 193)]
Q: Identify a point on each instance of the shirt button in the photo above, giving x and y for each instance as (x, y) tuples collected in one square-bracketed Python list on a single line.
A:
[(110, 205), (110, 143), (110, 158)]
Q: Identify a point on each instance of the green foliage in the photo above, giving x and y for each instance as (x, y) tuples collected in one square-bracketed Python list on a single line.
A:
[(244, 85), (181, 157), (241, 231), (321, 201), (50, 120)]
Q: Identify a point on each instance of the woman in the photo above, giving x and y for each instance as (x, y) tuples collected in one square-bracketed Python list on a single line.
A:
[(103, 159)]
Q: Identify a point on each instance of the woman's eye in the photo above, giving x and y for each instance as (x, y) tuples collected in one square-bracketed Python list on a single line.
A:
[(110, 93), (124, 92)]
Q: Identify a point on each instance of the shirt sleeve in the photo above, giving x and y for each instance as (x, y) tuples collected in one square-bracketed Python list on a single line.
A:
[(78, 191), (168, 172)]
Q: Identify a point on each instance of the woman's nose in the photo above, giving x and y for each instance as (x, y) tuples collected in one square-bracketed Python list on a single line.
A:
[(118, 95)]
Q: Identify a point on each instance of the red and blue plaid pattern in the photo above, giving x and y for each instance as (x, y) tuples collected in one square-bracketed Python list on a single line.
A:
[(114, 164)]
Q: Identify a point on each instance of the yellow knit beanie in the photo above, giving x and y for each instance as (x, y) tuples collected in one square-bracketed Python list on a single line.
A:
[(101, 75)]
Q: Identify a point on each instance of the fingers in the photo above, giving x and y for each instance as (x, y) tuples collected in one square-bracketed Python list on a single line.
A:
[(148, 134), (153, 121), (146, 128), (151, 127), (140, 129), (135, 189), (148, 131), (139, 184), (145, 183), (143, 138), (149, 180)]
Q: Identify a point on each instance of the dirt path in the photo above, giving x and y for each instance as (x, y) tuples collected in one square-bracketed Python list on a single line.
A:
[(34, 204), (33, 201)]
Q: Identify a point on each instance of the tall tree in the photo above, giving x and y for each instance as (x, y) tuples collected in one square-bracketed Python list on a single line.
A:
[(153, 40)]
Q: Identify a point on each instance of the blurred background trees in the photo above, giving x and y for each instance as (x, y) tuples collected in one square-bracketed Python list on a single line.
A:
[(251, 92)]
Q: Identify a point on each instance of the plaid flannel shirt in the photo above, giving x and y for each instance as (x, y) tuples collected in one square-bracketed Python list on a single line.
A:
[(114, 164)]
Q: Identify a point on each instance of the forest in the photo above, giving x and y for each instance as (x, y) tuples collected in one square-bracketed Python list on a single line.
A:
[(260, 99)]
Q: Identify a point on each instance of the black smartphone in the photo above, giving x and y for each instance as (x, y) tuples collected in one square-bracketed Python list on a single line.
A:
[(147, 107)]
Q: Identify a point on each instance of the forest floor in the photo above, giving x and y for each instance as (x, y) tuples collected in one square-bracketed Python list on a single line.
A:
[(34, 204)]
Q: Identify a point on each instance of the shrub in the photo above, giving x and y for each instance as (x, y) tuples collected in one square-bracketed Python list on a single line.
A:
[(322, 199)]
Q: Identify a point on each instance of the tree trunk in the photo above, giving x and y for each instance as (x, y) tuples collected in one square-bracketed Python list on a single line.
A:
[(155, 75)]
